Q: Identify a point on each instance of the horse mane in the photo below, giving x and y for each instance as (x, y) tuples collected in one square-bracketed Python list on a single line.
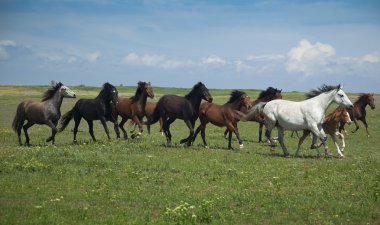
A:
[(196, 87), (51, 91), (361, 97), (334, 113), (324, 88), (235, 94), (268, 91), (105, 90), (139, 91)]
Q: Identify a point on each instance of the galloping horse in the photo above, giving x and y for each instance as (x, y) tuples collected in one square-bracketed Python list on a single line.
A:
[(46, 112), (99, 108), (304, 115), (359, 113), (134, 107), (172, 107), (330, 125), (265, 96), (223, 115)]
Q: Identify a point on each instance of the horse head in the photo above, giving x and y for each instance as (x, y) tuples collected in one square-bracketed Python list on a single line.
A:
[(345, 116), (371, 101), (203, 92), (149, 90), (341, 98), (67, 92), (246, 100), (110, 92)]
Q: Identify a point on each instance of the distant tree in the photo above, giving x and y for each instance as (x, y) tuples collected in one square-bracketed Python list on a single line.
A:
[(121, 85)]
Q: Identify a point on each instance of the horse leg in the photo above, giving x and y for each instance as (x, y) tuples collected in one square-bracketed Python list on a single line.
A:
[(189, 139), (366, 125), (229, 139), (25, 128), (166, 129), (196, 132), (336, 145), (234, 128), (301, 140), (341, 128), (268, 135), (104, 123), (54, 130), (341, 136), (19, 128), (225, 134), (121, 125), (356, 126), (281, 140), (139, 124), (261, 132), (115, 127), (91, 129)]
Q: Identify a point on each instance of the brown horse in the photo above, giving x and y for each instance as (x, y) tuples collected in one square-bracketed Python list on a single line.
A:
[(46, 112), (265, 96), (134, 107), (359, 113), (149, 109), (223, 115), (339, 115)]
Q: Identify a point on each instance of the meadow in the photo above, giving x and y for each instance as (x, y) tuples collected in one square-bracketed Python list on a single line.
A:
[(143, 182)]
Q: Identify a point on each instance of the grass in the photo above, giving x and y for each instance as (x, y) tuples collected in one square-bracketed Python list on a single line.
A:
[(144, 182)]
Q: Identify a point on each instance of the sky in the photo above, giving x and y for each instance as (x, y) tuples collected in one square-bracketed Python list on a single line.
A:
[(240, 44)]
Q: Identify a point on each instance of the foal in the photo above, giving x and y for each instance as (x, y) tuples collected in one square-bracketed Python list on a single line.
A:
[(330, 125), (223, 115)]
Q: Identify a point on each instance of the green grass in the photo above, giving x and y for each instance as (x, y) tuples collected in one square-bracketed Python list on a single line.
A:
[(144, 182)]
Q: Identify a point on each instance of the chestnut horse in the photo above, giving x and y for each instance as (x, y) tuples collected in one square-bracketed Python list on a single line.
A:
[(330, 125), (46, 112), (172, 107), (359, 113), (134, 107), (99, 108), (265, 96), (223, 115), (149, 109)]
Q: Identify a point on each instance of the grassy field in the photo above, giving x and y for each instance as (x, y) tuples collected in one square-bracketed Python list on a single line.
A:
[(144, 182)]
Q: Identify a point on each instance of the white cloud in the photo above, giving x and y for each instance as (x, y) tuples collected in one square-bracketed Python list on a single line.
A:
[(273, 57), (214, 60), (309, 58), (370, 58), (93, 57), (3, 51)]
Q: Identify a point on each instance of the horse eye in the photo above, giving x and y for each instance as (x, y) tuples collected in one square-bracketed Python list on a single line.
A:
[(340, 95)]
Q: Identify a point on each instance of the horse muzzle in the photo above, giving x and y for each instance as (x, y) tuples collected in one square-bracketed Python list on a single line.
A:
[(209, 99)]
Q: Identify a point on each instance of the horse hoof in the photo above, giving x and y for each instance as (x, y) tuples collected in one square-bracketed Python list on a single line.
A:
[(207, 147), (241, 146)]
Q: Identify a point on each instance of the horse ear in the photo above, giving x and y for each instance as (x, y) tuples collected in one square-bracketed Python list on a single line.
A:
[(340, 86)]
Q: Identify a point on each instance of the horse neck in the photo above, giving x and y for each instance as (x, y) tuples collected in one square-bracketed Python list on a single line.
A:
[(195, 101), (236, 105), (142, 99), (56, 100), (333, 118), (104, 97), (360, 103), (263, 99), (324, 100)]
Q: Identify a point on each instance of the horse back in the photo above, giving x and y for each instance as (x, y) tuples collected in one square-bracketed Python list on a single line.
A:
[(176, 107), (123, 107), (92, 109)]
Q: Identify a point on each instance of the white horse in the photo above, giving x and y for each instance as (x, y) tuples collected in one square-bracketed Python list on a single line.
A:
[(304, 115)]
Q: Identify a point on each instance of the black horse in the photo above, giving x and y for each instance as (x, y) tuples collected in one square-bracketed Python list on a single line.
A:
[(172, 107), (99, 108), (45, 112)]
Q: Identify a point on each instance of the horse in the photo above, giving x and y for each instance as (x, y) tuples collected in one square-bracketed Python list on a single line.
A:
[(308, 114), (265, 96), (99, 108), (359, 113), (223, 115), (172, 107), (134, 107), (45, 112), (330, 125), (149, 109)]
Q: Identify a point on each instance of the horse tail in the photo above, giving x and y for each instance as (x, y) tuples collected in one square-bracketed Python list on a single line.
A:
[(19, 118), (65, 120), (155, 117), (252, 113)]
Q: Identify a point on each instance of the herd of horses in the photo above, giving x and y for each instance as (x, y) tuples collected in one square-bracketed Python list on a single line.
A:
[(269, 110)]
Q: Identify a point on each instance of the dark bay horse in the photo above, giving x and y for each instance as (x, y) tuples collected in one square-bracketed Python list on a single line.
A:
[(265, 96), (45, 112), (359, 113), (172, 107), (134, 107), (223, 115), (99, 108)]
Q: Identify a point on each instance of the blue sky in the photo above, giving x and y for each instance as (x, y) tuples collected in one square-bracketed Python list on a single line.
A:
[(293, 45)]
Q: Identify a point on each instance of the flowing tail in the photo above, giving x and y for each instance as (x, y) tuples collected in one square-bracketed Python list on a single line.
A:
[(19, 119), (65, 120), (155, 117), (252, 113)]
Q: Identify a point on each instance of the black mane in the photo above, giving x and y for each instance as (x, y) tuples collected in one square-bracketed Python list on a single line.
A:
[(268, 91), (51, 92), (139, 91), (235, 94), (195, 88), (322, 89), (105, 92)]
